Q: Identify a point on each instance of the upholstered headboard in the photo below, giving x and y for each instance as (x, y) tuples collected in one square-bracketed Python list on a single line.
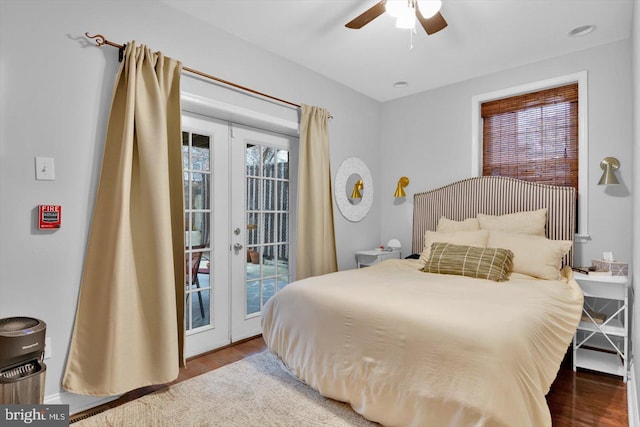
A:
[(495, 195)]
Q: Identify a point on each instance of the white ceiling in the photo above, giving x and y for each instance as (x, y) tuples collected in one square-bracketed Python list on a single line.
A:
[(483, 36)]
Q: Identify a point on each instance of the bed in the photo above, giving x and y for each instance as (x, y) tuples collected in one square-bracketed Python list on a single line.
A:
[(406, 345)]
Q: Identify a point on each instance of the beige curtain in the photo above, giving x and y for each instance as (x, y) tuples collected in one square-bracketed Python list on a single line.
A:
[(129, 323), (316, 253)]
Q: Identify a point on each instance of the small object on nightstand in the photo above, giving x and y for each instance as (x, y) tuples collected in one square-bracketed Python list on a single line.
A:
[(394, 245), (615, 268), (591, 271), (599, 273)]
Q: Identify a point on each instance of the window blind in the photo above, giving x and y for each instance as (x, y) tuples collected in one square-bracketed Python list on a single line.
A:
[(533, 137)]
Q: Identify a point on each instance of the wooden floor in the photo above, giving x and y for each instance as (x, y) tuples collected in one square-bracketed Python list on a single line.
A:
[(585, 399), (581, 399), (216, 359)]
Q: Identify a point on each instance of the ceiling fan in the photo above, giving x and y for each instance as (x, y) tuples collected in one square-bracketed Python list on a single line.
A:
[(405, 11)]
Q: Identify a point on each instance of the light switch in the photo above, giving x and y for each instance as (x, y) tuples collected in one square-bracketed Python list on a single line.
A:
[(44, 169)]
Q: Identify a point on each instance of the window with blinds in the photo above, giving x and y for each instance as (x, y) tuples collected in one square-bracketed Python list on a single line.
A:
[(533, 137)]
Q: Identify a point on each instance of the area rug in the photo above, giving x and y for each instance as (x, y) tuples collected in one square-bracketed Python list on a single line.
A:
[(255, 391)]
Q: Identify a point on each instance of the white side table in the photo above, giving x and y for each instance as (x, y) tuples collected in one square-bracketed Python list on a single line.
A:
[(367, 258), (603, 347)]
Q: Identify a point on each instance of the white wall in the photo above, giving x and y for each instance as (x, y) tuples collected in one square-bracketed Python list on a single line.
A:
[(427, 137), (56, 92), (635, 327)]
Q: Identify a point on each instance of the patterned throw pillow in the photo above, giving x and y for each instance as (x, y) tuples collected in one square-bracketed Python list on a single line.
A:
[(482, 263)]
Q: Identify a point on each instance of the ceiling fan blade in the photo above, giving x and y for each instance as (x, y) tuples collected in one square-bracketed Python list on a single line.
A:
[(367, 16), (431, 25)]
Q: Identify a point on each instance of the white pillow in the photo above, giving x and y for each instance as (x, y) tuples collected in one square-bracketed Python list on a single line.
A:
[(448, 225), (534, 256), (527, 222), (467, 238)]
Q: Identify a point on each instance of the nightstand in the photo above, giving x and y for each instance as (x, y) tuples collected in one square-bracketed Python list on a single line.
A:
[(367, 258), (603, 345)]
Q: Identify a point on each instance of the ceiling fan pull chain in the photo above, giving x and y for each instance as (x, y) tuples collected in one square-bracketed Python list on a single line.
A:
[(411, 33)]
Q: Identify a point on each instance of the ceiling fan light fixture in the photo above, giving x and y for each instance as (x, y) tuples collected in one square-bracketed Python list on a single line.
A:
[(398, 8), (428, 8), (424, 11), (407, 20)]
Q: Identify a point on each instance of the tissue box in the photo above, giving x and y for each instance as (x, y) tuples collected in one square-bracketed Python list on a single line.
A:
[(616, 268)]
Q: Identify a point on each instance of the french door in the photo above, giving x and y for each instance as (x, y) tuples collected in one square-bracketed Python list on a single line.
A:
[(262, 200), (238, 227)]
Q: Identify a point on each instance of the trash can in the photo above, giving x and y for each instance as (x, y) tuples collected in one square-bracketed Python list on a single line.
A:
[(22, 370)]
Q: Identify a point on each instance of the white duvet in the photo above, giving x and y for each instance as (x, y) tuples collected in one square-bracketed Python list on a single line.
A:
[(407, 348)]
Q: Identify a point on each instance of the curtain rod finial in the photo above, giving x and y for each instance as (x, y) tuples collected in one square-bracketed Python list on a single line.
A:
[(100, 40)]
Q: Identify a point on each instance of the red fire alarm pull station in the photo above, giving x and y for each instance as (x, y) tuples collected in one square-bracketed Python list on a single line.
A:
[(49, 216)]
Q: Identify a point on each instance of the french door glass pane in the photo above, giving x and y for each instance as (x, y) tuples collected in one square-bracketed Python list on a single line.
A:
[(198, 233), (200, 190), (269, 227), (283, 227), (282, 261), (268, 289), (283, 196), (200, 153), (267, 204), (253, 297), (253, 160), (186, 136), (252, 229), (269, 195), (283, 164), (253, 194), (197, 319), (187, 314), (269, 165)]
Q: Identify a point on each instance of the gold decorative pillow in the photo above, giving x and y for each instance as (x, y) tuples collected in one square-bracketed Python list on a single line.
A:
[(470, 261), (448, 225), (535, 256), (469, 238), (527, 222)]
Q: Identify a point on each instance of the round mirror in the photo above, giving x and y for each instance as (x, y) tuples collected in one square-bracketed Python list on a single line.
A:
[(353, 189)]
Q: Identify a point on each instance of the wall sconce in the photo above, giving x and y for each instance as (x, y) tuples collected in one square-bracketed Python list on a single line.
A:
[(609, 165), (356, 190), (402, 182)]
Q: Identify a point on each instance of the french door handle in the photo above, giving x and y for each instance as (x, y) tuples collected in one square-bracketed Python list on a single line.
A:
[(237, 247)]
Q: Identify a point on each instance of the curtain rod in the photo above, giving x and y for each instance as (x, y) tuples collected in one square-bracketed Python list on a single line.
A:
[(102, 40)]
